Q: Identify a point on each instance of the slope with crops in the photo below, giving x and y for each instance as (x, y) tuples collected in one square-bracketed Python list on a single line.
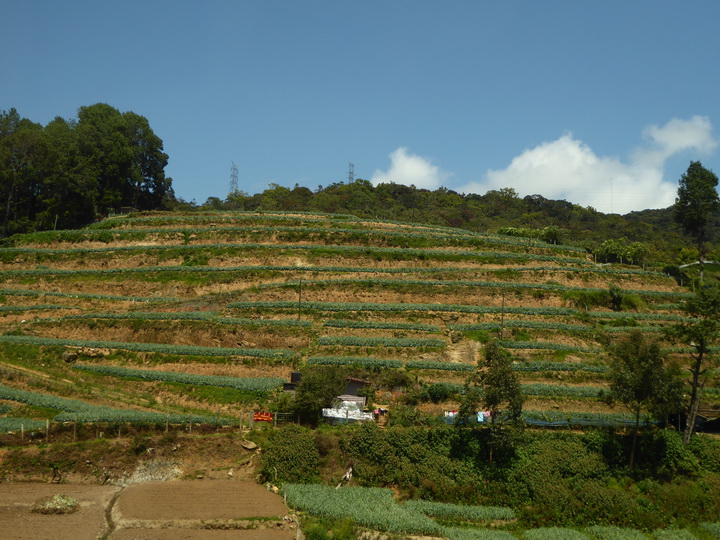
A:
[(206, 314)]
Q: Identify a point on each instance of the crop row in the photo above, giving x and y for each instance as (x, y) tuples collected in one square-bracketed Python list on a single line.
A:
[(38, 307), (460, 511), (405, 253), (76, 410), (324, 269), (423, 228), (26, 292), (344, 323), (389, 363), (208, 316), (129, 233), (545, 390), (557, 418), (260, 385), (369, 306), (370, 507), (355, 361), (546, 345), (353, 341), (511, 285), (450, 308), (192, 350)]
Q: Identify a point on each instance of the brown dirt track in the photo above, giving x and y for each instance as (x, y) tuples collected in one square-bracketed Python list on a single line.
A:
[(212, 509)]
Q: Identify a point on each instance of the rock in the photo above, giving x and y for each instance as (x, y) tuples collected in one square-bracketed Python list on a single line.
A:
[(248, 445)]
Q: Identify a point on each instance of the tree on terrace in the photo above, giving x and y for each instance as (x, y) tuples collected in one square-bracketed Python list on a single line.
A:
[(641, 379), (700, 331), (494, 386), (696, 201)]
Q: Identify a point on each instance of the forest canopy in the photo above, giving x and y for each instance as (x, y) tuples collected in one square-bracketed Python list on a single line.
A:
[(68, 173)]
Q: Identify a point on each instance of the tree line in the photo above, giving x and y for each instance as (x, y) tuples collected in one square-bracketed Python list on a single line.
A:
[(637, 238), (70, 172)]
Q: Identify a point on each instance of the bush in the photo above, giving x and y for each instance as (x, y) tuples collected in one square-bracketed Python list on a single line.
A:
[(291, 455), (56, 504)]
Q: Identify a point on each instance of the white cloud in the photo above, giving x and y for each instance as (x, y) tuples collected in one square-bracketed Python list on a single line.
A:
[(568, 169), (407, 169)]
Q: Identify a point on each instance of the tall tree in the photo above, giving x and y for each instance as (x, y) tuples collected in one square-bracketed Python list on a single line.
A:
[(124, 155), (494, 386), (641, 379), (696, 201), (22, 157), (700, 331)]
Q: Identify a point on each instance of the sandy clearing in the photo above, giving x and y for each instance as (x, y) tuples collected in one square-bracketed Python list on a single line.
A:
[(19, 523), (188, 500)]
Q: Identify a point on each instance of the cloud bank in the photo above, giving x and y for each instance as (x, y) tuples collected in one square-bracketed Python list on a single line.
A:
[(409, 169), (568, 169)]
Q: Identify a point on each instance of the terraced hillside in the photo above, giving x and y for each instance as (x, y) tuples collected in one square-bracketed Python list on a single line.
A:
[(202, 316)]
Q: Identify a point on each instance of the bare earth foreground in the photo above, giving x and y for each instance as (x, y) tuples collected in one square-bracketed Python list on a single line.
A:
[(190, 509)]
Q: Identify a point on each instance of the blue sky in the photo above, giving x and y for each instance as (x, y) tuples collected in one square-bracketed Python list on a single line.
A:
[(603, 104)]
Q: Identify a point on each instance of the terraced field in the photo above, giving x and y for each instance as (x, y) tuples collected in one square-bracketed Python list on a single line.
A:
[(201, 317)]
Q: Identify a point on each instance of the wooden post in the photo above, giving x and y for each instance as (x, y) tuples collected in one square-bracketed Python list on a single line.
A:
[(47, 430), (22, 432)]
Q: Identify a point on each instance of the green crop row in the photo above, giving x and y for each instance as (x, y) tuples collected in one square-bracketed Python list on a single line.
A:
[(353, 341), (370, 507), (555, 390), (16, 424), (323, 269), (76, 410), (355, 361), (26, 292), (444, 366), (545, 345), (321, 248), (39, 307), (189, 316), (506, 285), (368, 306), (259, 385), (192, 350), (344, 323), (586, 418), (557, 366), (460, 511), (134, 234)]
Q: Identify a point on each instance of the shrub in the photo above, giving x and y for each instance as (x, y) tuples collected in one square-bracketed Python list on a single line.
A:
[(291, 455), (56, 504)]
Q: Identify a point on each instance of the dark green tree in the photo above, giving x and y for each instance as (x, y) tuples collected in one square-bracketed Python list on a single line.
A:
[(318, 388), (696, 201), (495, 387), (641, 379), (23, 162), (700, 331)]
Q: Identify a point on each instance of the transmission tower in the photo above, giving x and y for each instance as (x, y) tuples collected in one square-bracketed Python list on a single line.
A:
[(233, 179), (351, 173)]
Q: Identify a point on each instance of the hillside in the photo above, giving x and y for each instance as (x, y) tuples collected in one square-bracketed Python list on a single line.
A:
[(250, 297)]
